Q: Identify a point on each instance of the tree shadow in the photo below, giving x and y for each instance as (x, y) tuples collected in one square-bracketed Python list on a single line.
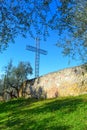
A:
[(16, 104), (66, 106), (30, 124), (24, 119), (85, 67), (29, 90)]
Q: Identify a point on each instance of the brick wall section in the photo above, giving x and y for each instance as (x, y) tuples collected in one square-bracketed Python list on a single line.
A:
[(67, 82)]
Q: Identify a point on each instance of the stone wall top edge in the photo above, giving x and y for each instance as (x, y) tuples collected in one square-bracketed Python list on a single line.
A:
[(59, 71)]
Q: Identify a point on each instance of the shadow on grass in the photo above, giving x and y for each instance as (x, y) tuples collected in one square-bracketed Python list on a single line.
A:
[(67, 104), (31, 124), (34, 118), (16, 103)]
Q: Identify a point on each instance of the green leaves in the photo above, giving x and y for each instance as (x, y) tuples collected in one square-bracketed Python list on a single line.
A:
[(16, 75), (39, 17)]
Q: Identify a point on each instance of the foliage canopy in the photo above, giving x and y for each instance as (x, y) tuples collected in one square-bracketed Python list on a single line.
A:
[(38, 17)]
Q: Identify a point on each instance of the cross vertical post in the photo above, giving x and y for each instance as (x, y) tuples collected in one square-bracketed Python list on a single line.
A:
[(37, 57), (37, 51)]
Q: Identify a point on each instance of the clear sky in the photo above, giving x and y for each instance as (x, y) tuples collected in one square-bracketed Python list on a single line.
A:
[(51, 62)]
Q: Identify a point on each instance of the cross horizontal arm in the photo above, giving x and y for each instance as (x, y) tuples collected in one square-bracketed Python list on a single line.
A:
[(34, 49)]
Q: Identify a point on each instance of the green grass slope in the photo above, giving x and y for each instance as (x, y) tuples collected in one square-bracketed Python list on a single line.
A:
[(53, 114)]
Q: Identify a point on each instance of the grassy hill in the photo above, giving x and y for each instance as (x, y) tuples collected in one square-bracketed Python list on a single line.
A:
[(52, 114)]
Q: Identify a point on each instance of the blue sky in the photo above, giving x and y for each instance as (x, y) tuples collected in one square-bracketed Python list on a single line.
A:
[(51, 62)]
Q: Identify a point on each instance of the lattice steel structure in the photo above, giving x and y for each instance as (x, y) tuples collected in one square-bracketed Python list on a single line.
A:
[(37, 51)]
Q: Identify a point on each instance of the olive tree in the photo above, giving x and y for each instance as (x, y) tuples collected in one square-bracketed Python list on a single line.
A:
[(73, 22), (15, 76)]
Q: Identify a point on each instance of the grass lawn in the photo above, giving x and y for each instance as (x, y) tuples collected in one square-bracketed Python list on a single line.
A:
[(52, 114)]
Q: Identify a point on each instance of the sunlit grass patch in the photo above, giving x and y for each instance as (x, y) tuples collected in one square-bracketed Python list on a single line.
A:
[(52, 114)]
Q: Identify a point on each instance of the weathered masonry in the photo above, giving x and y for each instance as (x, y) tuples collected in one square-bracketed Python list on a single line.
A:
[(67, 82)]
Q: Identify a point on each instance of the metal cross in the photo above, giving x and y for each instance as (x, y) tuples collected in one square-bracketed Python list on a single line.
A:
[(37, 51)]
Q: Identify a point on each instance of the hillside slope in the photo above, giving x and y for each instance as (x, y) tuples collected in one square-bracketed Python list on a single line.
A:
[(52, 114)]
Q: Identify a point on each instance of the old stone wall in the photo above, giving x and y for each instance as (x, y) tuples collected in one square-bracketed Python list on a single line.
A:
[(67, 82)]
